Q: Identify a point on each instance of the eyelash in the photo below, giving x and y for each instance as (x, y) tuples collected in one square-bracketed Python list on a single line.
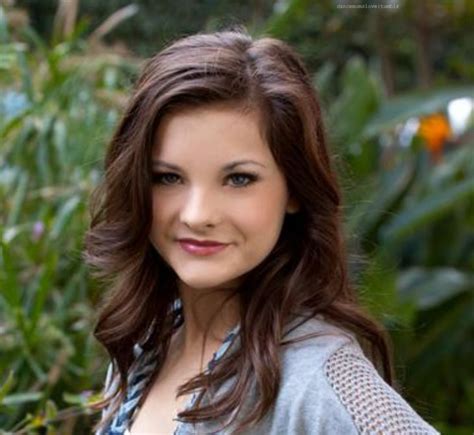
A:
[(158, 178)]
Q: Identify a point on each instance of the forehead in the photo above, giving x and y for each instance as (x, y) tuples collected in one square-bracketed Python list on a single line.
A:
[(217, 130)]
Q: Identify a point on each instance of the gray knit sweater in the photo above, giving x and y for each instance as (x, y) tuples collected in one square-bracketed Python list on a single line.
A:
[(327, 386)]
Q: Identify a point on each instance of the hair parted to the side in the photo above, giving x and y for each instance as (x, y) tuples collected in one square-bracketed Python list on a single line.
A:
[(306, 272)]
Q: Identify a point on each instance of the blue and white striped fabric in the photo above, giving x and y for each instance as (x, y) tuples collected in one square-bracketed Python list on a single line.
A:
[(140, 373)]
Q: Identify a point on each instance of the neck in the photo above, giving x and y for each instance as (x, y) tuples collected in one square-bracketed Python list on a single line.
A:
[(205, 309)]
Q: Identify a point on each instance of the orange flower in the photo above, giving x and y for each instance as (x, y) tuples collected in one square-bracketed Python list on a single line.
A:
[(435, 130)]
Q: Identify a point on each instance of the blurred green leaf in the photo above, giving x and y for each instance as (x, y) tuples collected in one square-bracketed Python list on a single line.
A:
[(359, 100), (51, 410), (18, 199), (431, 208), (21, 398), (7, 386), (9, 285), (64, 216), (368, 216), (43, 287), (3, 26), (431, 287)]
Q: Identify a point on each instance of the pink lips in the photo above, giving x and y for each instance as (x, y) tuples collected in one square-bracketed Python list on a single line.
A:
[(204, 247)]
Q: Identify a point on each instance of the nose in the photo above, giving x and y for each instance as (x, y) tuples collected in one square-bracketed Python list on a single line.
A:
[(200, 210)]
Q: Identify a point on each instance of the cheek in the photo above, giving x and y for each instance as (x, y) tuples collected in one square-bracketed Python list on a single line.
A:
[(263, 218)]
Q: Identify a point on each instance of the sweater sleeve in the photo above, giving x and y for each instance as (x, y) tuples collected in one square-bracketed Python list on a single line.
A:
[(374, 406)]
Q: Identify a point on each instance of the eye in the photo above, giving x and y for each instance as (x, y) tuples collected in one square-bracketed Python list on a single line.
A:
[(166, 178), (239, 179), (242, 179)]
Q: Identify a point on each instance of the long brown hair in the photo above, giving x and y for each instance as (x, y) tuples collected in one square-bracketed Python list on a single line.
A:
[(306, 272)]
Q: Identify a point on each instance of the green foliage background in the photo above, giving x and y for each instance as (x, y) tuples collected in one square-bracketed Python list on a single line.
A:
[(410, 217)]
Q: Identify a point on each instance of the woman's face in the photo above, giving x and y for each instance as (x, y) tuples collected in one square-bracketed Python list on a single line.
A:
[(215, 179)]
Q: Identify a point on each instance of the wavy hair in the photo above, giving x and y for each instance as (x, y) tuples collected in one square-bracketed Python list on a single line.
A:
[(306, 272)]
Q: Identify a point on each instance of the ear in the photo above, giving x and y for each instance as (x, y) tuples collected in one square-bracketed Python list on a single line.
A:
[(292, 206)]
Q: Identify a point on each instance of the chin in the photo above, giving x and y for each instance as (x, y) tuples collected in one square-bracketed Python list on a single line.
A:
[(204, 280)]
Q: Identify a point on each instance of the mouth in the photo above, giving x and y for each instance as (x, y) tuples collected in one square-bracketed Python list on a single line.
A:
[(202, 242), (201, 247)]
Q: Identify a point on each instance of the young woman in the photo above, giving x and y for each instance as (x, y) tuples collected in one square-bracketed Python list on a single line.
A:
[(218, 227)]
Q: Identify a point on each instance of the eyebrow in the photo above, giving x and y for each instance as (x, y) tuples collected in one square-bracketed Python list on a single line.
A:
[(226, 168)]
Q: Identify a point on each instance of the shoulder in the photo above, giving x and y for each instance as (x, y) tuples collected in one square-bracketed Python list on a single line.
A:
[(374, 406), (307, 346), (337, 388)]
